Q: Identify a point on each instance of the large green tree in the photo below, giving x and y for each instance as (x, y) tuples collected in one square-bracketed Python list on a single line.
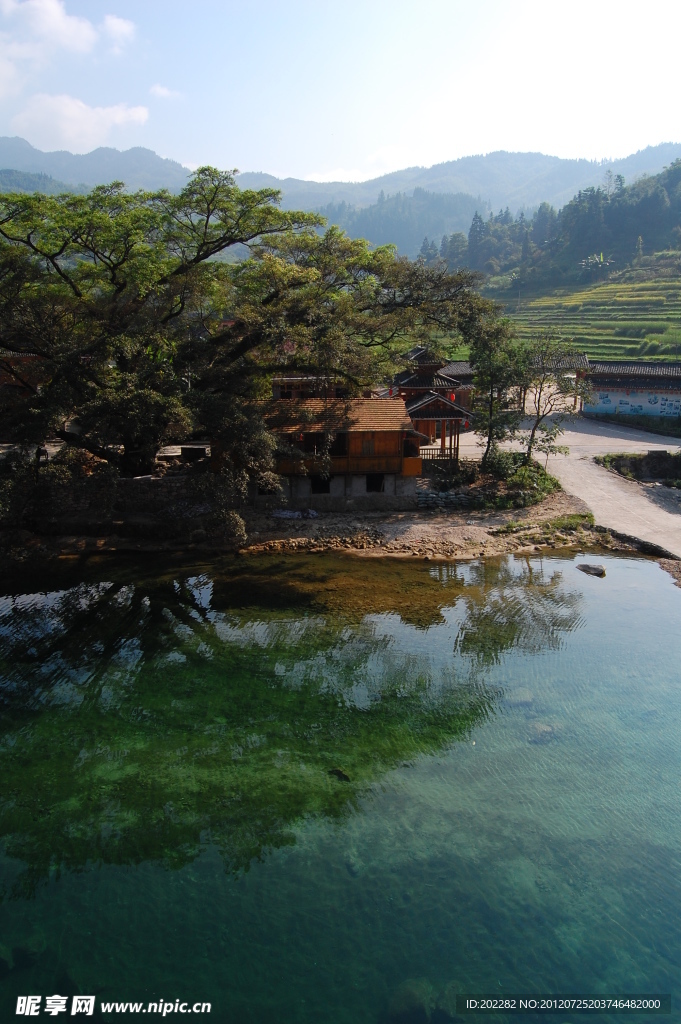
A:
[(143, 332), (102, 290)]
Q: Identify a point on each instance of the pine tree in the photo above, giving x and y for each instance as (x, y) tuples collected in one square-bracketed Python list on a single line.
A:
[(476, 235)]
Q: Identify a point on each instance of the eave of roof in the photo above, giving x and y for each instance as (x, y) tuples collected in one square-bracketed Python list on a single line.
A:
[(419, 402)]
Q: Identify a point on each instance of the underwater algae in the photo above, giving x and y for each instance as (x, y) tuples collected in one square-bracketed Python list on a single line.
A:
[(142, 719), (314, 788)]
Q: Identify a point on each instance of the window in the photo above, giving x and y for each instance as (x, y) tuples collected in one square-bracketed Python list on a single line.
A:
[(320, 484), (375, 483), (339, 445), (313, 443)]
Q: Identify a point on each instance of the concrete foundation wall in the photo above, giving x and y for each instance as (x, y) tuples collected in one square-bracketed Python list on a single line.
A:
[(405, 486), (346, 493)]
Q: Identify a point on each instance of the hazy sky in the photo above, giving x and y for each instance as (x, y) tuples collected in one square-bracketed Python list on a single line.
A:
[(342, 90)]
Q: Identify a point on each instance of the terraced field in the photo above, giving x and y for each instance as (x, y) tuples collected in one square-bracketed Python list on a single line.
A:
[(616, 320)]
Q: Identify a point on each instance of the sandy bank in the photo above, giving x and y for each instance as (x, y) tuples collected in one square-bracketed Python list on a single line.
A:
[(560, 521)]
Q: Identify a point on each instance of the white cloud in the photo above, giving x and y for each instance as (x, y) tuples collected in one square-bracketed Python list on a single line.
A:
[(48, 22), (119, 30), (163, 92), (64, 122)]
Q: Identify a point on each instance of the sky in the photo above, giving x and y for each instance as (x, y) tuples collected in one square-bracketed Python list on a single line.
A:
[(340, 91)]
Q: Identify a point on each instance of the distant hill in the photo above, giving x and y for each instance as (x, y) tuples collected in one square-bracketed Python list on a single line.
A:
[(401, 207), (599, 233), (137, 167), (24, 181), (405, 220), (517, 180)]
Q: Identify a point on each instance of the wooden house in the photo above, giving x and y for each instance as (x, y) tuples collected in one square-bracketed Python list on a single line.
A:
[(346, 447), (438, 398)]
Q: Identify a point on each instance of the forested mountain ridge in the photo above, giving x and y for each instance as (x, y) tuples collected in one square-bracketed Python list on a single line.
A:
[(24, 181), (403, 220), (137, 167), (438, 202), (599, 231), (517, 180)]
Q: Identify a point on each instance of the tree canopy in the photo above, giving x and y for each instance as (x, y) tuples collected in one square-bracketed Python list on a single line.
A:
[(130, 320)]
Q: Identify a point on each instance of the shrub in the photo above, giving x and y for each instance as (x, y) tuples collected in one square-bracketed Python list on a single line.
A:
[(449, 476), (501, 464)]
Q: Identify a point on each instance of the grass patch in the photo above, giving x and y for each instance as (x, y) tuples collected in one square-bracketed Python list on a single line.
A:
[(525, 487), (571, 523)]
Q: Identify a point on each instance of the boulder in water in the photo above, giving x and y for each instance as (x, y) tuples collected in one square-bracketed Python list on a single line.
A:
[(412, 1002), (591, 570)]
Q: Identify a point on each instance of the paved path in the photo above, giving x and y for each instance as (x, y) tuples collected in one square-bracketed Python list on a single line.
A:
[(652, 514)]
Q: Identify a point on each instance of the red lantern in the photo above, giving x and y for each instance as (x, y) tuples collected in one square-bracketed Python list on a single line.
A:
[(466, 425)]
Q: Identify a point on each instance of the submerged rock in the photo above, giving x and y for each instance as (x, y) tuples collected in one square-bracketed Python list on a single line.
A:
[(412, 1002), (445, 1004), (591, 570), (339, 774), (542, 733), (353, 866)]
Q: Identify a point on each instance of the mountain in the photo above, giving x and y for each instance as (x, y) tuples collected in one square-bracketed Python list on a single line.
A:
[(400, 207), (404, 220), (24, 181), (138, 167), (517, 180)]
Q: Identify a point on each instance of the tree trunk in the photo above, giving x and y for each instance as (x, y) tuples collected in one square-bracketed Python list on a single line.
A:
[(490, 425), (134, 460)]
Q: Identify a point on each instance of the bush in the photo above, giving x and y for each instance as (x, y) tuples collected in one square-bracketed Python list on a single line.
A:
[(500, 464), (71, 483), (449, 476)]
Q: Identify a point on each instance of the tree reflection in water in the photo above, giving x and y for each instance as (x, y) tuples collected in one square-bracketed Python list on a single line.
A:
[(145, 716)]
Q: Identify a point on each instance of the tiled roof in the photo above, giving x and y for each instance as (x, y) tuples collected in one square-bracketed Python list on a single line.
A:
[(458, 369), (422, 355), (313, 415), (429, 380), (573, 361), (420, 402), (650, 371)]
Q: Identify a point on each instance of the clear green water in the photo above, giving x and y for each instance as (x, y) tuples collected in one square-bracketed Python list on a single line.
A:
[(312, 790)]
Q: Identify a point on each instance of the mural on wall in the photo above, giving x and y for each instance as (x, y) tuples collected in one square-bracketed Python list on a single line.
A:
[(636, 403)]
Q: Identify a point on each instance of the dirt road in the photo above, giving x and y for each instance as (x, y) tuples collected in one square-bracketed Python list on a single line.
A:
[(647, 512)]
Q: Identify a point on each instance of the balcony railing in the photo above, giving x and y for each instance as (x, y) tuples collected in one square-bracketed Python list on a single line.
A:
[(437, 454)]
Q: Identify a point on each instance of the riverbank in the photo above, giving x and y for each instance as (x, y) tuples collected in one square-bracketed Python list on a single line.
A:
[(559, 522)]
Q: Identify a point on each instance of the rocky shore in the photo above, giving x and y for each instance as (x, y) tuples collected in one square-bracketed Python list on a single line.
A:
[(560, 522)]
